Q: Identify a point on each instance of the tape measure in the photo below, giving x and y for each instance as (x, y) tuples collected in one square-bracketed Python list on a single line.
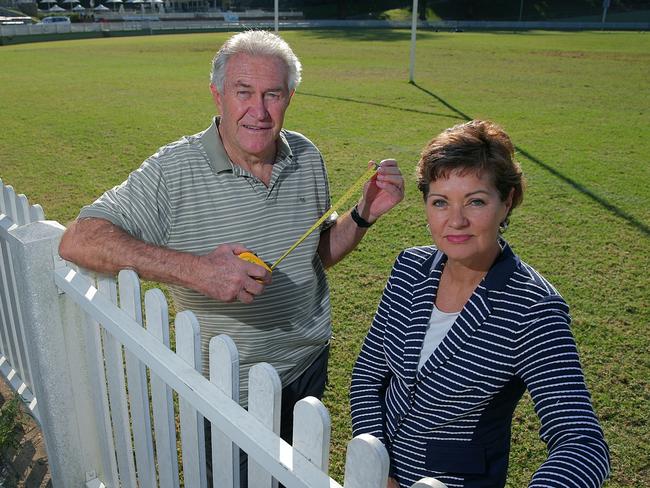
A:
[(253, 258), (339, 203)]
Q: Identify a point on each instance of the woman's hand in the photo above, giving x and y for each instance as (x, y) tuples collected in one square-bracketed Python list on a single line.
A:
[(392, 483)]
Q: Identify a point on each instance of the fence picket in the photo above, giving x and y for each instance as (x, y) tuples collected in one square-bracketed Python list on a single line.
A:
[(97, 376), (2, 197), (130, 302), (10, 203), (117, 394), (188, 347), (224, 373), (429, 483), (36, 213), (312, 431), (264, 401), (366, 463), (22, 210), (157, 319)]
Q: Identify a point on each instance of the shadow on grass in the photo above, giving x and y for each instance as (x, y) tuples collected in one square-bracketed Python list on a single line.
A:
[(610, 207), (367, 34), (374, 104)]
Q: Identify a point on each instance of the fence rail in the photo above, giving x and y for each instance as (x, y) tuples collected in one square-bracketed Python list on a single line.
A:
[(101, 367), (145, 23)]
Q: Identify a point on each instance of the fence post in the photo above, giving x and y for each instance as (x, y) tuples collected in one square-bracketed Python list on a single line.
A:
[(53, 325), (366, 463)]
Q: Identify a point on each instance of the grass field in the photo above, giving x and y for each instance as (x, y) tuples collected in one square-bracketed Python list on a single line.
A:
[(78, 116)]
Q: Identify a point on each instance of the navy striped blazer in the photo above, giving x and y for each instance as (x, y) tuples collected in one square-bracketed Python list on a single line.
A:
[(451, 419)]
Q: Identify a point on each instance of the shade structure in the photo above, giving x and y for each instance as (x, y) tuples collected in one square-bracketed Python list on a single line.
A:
[(70, 1), (101, 8), (56, 8), (78, 8), (48, 1)]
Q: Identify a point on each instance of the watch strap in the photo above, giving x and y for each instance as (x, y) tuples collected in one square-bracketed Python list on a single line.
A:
[(359, 220)]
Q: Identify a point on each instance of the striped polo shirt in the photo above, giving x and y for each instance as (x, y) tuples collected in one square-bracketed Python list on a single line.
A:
[(190, 197)]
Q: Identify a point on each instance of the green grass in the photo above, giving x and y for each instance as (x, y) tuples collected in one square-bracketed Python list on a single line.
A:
[(78, 116), (11, 425)]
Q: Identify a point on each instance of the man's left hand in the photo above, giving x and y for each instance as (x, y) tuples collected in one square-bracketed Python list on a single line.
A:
[(382, 192)]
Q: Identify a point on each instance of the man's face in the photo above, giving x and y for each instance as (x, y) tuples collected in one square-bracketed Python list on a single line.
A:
[(252, 106)]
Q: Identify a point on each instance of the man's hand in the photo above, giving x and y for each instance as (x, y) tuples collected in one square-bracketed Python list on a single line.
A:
[(99, 245), (222, 275), (384, 190), (381, 193)]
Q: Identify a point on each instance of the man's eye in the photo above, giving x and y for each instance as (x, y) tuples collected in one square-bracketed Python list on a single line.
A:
[(273, 96), (243, 93)]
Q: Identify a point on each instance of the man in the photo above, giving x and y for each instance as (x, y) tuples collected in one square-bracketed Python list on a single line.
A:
[(244, 184)]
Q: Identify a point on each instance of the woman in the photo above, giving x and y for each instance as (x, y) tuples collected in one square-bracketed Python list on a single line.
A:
[(463, 328)]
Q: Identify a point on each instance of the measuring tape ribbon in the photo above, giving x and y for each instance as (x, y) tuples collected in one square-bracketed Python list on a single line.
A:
[(339, 203)]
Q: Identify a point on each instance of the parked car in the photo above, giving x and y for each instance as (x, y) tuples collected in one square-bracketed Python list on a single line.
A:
[(4, 20), (59, 19)]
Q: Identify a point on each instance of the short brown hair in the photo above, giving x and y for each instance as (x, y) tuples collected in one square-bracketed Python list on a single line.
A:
[(478, 146)]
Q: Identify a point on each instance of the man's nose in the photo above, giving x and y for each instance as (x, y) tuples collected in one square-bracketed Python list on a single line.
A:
[(257, 108)]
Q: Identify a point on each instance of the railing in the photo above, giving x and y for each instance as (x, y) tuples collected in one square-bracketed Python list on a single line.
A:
[(105, 378), (144, 23)]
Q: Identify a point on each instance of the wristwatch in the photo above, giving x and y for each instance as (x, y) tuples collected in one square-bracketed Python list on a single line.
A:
[(358, 219)]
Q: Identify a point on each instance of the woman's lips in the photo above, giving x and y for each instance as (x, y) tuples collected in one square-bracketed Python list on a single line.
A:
[(458, 239)]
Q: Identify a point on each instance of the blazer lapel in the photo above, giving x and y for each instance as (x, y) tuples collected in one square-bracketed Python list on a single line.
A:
[(424, 294), (474, 313)]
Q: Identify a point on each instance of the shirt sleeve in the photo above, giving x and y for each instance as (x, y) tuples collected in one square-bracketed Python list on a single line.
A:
[(140, 205), (331, 220), (550, 367)]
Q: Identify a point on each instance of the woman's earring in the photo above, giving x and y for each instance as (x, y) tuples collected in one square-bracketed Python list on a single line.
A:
[(503, 226)]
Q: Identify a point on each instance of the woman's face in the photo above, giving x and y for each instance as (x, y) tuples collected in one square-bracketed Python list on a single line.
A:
[(464, 212)]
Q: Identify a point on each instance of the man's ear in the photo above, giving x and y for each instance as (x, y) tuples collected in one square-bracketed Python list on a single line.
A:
[(216, 96)]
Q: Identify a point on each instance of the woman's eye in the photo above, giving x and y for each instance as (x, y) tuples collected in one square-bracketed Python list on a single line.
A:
[(477, 202), (438, 203)]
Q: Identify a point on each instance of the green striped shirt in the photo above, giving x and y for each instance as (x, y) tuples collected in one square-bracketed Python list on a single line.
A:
[(190, 197)]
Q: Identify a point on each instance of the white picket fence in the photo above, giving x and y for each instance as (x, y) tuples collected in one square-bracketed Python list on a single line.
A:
[(98, 375)]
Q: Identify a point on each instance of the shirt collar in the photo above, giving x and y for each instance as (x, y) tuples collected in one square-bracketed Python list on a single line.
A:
[(219, 160)]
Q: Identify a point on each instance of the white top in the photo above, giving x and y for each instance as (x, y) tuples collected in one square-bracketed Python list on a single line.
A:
[(439, 324)]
